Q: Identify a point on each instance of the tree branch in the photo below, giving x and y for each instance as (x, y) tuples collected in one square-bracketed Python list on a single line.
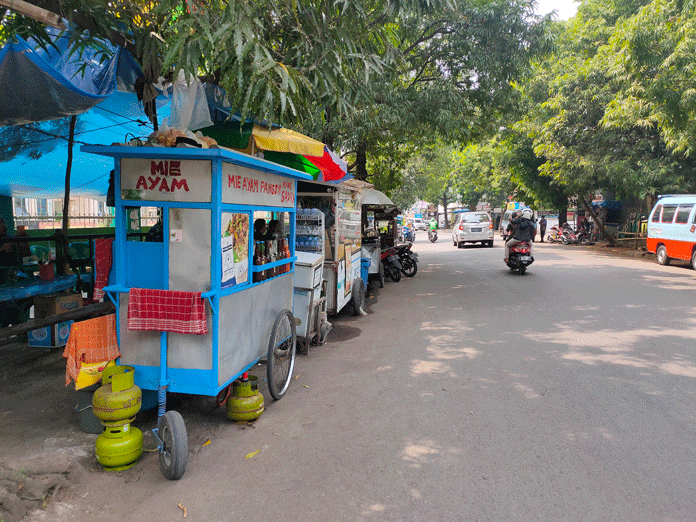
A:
[(425, 37)]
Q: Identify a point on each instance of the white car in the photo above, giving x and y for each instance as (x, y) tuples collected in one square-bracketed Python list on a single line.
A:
[(473, 227), (419, 224)]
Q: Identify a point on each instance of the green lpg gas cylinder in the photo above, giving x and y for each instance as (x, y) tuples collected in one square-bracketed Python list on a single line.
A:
[(118, 398), (246, 402), (119, 447)]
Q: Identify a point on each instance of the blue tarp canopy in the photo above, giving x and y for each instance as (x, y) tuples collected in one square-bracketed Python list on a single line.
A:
[(39, 84), (33, 157), (40, 89)]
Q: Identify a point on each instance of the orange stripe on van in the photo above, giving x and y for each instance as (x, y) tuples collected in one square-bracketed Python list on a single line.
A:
[(675, 249)]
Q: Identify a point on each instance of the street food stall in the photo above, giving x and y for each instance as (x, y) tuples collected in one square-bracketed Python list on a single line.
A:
[(379, 232), (338, 206), (204, 300)]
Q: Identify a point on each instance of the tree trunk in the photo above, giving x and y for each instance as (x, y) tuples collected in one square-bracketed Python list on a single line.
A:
[(562, 214), (361, 162), (444, 205), (62, 256), (598, 223)]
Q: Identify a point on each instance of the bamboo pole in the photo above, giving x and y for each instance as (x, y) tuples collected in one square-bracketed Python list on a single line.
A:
[(35, 13)]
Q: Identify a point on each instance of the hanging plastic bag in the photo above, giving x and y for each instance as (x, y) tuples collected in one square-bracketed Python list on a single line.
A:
[(189, 108)]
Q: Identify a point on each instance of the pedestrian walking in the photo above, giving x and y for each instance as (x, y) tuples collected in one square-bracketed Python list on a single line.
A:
[(542, 227)]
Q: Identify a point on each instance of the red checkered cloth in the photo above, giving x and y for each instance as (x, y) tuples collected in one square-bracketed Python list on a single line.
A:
[(103, 256), (166, 311)]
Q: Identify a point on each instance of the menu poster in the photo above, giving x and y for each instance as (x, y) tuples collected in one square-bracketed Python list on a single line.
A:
[(235, 248)]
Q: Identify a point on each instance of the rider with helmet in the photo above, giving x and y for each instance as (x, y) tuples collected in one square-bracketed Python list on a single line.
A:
[(521, 228)]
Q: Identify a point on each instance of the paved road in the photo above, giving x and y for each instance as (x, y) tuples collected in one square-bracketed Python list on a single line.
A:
[(467, 394)]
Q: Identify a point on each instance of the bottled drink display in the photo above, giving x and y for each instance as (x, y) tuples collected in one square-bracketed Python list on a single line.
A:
[(257, 261)]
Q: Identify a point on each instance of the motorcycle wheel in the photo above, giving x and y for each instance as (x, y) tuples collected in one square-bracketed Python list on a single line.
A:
[(550, 239), (523, 269), (393, 273), (584, 240), (409, 267)]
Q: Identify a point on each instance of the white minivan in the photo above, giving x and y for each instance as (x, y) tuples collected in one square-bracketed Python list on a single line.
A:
[(473, 227), (672, 229)]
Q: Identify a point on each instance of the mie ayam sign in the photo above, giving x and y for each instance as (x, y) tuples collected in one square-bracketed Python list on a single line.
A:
[(165, 180)]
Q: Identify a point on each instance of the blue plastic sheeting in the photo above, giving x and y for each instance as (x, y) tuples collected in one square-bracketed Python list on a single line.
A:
[(43, 84), (34, 287), (33, 160), (609, 205)]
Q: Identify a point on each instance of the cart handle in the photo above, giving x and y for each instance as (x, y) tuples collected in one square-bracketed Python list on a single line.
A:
[(119, 289)]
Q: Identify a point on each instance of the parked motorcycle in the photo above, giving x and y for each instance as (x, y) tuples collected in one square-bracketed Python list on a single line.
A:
[(409, 260), (432, 235), (520, 257), (584, 233), (554, 235), (583, 237), (568, 236), (392, 264)]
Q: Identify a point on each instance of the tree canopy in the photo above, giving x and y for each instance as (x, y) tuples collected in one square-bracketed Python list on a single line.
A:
[(365, 76)]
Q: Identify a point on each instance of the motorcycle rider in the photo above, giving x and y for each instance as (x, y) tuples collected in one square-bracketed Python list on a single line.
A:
[(520, 230), (432, 232)]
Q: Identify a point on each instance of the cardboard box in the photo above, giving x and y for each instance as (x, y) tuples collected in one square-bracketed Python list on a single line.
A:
[(47, 305), (50, 336)]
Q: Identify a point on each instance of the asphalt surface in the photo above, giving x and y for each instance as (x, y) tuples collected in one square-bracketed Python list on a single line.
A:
[(467, 393)]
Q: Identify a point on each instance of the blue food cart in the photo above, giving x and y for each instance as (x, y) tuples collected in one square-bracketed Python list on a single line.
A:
[(201, 205)]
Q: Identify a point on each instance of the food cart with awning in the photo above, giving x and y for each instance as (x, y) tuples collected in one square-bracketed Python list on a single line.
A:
[(339, 205), (379, 219)]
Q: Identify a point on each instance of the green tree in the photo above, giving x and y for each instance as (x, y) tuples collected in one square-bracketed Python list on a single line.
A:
[(582, 152), (447, 76), (653, 59)]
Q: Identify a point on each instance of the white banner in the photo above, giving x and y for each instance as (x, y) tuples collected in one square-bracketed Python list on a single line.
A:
[(245, 186)]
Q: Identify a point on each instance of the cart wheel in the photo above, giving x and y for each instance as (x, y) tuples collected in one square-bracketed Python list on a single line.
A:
[(174, 452), (281, 354), (358, 296), (381, 274)]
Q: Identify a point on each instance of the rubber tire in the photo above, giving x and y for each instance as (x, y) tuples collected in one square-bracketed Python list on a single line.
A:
[(454, 243), (693, 260), (490, 244), (550, 239), (393, 273), (381, 274), (413, 267), (460, 244), (585, 240), (357, 297), (523, 269), (173, 455), (661, 255), (274, 389)]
